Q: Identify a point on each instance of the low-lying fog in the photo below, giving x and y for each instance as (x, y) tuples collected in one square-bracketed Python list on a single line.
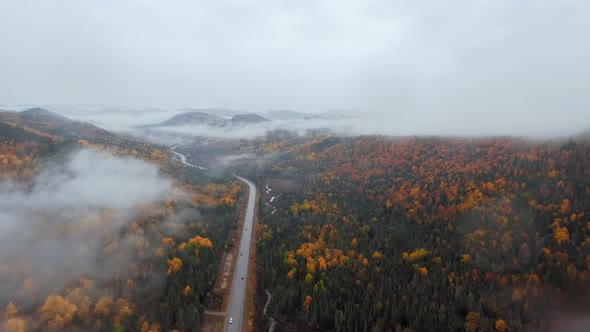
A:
[(128, 120), (54, 230), (547, 126)]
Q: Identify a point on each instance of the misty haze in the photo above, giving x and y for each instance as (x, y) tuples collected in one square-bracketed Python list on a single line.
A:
[(294, 166)]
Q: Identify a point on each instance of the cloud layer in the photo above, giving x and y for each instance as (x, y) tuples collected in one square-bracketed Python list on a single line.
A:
[(471, 61), (403, 125), (55, 230)]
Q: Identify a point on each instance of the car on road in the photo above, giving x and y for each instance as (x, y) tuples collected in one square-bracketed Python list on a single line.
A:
[(242, 278), (241, 253), (231, 320)]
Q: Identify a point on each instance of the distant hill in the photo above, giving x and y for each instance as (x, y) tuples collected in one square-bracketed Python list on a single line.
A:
[(314, 117), (42, 114), (53, 124), (285, 115), (194, 118), (36, 134), (222, 112), (248, 118), (201, 118)]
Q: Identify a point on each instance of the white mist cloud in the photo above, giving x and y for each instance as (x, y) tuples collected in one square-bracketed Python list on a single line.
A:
[(98, 180), (399, 125), (112, 118), (436, 122), (55, 230)]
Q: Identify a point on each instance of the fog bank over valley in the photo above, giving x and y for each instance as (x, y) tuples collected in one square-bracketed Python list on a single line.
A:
[(146, 123)]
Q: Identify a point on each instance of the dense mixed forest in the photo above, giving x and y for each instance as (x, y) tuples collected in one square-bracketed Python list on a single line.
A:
[(426, 234), (366, 233), (147, 267)]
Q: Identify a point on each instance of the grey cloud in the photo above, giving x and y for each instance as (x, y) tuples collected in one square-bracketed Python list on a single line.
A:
[(55, 229), (400, 125), (99, 180), (469, 60)]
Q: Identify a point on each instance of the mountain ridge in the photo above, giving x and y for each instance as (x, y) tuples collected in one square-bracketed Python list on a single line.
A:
[(54, 124), (202, 118), (248, 118), (193, 118)]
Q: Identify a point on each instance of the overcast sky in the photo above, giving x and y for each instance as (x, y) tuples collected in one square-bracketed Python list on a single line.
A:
[(465, 60)]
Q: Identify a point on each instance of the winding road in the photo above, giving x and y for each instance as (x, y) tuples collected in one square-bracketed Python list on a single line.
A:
[(237, 299), (183, 158)]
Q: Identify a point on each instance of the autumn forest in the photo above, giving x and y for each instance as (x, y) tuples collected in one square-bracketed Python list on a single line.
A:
[(99, 264), (428, 234), (353, 233)]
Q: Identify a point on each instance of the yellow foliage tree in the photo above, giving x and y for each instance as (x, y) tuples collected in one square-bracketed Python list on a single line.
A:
[(84, 308), (377, 255), (517, 295), (310, 265), (472, 322), (174, 265), (14, 325), (202, 242), (416, 255), (167, 242), (103, 306), (124, 312), (423, 271), (11, 310), (322, 263), (565, 206), (500, 325), (307, 303), (561, 234), (58, 312)]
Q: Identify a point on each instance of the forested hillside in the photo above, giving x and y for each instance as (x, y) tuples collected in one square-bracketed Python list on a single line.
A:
[(363, 233), (102, 232), (427, 234)]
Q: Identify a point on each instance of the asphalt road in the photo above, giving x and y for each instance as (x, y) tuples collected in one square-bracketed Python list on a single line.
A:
[(237, 299), (183, 158)]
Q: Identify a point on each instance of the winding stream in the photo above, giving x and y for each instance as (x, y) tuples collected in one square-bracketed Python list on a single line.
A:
[(274, 209), (272, 321), (268, 295)]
